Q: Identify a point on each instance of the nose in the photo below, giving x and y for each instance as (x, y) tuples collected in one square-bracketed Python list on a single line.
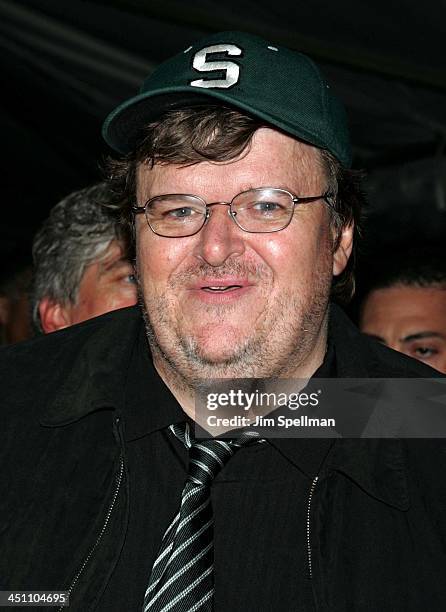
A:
[(220, 238)]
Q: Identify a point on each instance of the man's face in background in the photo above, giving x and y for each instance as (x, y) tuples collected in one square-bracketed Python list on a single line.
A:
[(409, 319), (107, 284), (226, 302)]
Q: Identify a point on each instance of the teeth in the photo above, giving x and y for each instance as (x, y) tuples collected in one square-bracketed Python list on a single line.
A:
[(222, 288)]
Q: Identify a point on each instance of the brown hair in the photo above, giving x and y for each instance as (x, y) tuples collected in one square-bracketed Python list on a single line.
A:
[(213, 132)]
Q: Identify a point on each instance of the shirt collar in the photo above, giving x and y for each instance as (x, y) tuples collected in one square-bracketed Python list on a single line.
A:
[(149, 403)]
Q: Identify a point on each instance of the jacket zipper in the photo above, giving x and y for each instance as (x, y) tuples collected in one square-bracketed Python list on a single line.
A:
[(101, 533), (310, 497)]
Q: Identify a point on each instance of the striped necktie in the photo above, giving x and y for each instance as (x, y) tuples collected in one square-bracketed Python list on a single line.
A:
[(182, 575)]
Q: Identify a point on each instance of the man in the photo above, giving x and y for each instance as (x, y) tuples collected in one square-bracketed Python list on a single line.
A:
[(405, 306), (243, 209), (81, 266)]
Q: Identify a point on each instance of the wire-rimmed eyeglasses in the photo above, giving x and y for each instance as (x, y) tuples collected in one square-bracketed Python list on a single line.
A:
[(261, 210)]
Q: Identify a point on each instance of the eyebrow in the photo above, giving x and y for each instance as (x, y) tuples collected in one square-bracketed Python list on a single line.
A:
[(420, 335)]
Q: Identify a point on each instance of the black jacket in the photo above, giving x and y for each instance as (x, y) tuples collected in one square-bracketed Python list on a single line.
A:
[(376, 524)]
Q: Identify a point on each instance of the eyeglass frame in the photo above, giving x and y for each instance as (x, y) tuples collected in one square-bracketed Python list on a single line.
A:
[(232, 214)]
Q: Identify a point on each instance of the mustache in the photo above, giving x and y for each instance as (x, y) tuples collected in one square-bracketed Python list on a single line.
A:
[(201, 270)]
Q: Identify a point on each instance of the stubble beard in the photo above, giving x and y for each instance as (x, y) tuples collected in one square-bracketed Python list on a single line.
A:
[(281, 339)]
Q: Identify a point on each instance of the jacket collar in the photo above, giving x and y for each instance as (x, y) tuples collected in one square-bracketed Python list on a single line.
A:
[(100, 369), (377, 466)]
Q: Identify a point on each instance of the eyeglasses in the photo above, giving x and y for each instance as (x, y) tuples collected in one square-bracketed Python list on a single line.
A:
[(262, 210)]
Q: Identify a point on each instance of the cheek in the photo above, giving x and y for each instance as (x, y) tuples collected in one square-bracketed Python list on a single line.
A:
[(441, 364), (158, 258), (279, 256), (147, 255), (298, 254), (95, 302), (120, 294)]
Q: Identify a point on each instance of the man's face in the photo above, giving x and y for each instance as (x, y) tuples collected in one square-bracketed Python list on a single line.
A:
[(229, 303), (107, 284), (409, 319)]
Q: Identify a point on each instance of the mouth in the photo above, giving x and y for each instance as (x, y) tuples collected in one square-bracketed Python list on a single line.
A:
[(220, 291), (221, 288)]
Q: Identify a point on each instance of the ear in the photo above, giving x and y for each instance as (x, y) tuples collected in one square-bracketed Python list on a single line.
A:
[(343, 250), (53, 316)]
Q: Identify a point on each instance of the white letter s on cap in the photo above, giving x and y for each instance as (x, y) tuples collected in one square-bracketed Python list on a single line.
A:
[(202, 64)]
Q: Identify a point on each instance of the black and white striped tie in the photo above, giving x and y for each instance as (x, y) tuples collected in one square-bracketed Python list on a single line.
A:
[(182, 575)]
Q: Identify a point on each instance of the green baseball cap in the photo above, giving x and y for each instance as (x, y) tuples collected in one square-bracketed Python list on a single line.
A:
[(276, 84)]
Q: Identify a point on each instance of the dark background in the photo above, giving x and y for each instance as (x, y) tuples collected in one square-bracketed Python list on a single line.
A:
[(66, 64)]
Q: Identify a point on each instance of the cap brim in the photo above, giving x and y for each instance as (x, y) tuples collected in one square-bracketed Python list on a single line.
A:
[(122, 128)]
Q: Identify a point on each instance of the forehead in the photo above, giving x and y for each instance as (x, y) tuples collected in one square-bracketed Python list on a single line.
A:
[(273, 159), (406, 304), (111, 256)]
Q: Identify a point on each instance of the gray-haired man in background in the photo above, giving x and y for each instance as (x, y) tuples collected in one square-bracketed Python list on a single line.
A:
[(81, 265)]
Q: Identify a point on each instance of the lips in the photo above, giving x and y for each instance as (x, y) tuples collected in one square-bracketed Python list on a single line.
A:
[(220, 290), (219, 283)]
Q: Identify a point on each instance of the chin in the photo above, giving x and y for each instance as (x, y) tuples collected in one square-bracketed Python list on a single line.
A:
[(217, 345)]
